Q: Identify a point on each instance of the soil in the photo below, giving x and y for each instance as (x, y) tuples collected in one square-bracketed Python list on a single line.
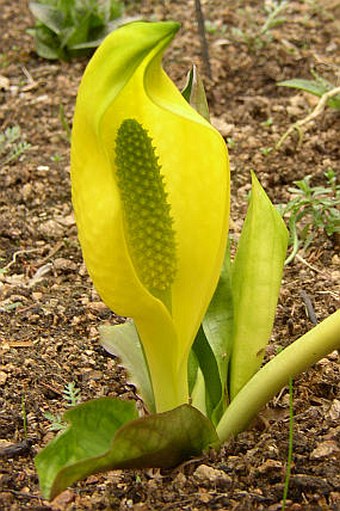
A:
[(49, 312)]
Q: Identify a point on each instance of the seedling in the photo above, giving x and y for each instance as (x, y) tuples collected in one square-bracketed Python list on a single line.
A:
[(266, 150), (12, 145), (254, 36), (314, 209), (231, 143), (71, 396)]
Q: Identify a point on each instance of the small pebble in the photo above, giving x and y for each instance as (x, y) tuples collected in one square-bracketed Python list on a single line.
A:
[(324, 449), (206, 474), (3, 378)]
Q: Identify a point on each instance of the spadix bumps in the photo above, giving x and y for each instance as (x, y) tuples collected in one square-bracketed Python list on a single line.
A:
[(147, 213), (150, 187)]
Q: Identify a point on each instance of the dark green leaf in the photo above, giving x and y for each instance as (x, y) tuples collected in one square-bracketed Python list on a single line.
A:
[(218, 321), (47, 44), (105, 435), (213, 385)]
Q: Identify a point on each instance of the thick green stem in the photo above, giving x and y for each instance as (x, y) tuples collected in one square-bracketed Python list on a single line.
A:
[(170, 387), (296, 358)]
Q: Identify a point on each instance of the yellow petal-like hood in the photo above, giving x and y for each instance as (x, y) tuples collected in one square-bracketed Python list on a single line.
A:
[(125, 80)]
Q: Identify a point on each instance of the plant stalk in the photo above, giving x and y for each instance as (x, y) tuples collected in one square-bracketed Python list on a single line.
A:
[(296, 358), (203, 39)]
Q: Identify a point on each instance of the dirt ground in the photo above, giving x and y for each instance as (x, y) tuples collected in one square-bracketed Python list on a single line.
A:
[(49, 312)]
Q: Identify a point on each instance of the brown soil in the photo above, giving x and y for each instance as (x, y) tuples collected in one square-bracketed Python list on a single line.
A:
[(49, 313)]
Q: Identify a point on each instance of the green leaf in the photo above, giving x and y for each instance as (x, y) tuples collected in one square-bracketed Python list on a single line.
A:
[(192, 371), (256, 278), (315, 87), (213, 385), (218, 321), (212, 348), (47, 44), (194, 93), (78, 33), (123, 341), (50, 16), (105, 435), (75, 26), (198, 392)]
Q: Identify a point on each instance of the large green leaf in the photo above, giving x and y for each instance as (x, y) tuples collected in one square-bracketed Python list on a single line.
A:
[(123, 341), (105, 434), (256, 278)]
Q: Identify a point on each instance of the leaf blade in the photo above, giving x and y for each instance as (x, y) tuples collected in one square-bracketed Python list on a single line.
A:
[(256, 278), (99, 439), (123, 341)]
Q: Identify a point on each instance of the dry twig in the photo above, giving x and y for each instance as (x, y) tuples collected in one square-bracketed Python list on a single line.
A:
[(315, 113), (203, 39)]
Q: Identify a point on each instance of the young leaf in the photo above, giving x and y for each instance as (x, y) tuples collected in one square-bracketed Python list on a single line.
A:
[(213, 388), (123, 341), (256, 278), (194, 93), (105, 434)]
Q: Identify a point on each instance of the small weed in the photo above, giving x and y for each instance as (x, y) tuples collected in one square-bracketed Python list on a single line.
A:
[(66, 29), (71, 396), (12, 144), (231, 143), (212, 27), (313, 209), (64, 122), (267, 123), (56, 158), (254, 36), (266, 150), (57, 423)]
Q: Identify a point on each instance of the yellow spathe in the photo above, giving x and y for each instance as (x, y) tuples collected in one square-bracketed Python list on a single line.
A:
[(125, 80)]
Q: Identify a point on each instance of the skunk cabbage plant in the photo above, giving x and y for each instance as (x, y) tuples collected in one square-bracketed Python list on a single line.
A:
[(150, 186)]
